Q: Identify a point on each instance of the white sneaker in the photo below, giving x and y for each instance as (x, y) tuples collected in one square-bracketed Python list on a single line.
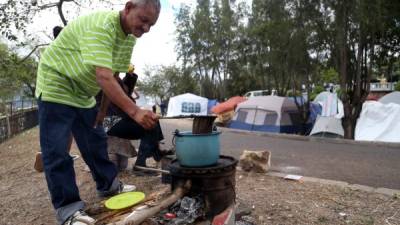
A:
[(126, 188), (80, 218)]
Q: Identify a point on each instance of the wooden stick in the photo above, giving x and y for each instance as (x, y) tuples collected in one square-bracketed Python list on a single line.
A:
[(152, 169), (121, 212), (137, 217)]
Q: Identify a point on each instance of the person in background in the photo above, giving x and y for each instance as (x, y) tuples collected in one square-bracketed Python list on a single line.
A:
[(56, 31), (120, 125), (154, 108), (79, 63), (163, 107)]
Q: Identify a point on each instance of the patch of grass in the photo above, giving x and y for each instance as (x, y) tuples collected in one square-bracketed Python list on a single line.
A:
[(323, 219), (368, 220), (396, 196)]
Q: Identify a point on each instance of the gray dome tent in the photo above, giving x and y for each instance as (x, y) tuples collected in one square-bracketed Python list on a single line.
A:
[(328, 126), (268, 114)]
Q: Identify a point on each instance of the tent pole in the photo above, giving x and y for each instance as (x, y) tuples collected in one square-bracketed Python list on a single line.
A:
[(254, 119)]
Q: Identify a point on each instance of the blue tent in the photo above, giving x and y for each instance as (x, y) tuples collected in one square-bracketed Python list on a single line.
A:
[(268, 113), (211, 103)]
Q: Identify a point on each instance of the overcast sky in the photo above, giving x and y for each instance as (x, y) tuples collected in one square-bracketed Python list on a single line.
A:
[(153, 48), (157, 46)]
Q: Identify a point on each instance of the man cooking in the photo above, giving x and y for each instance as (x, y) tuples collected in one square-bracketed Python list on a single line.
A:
[(73, 69)]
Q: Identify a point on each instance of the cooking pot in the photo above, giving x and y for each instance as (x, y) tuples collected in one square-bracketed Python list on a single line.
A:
[(197, 150)]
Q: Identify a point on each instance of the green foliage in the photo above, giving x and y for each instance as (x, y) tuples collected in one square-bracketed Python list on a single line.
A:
[(167, 81), (397, 87), (330, 76), (16, 76), (316, 91)]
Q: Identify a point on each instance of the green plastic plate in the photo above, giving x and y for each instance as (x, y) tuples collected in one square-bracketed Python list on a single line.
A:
[(124, 200)]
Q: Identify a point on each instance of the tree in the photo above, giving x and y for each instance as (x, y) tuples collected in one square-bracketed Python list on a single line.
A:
[(397, 87), (206, 43), (329, 75), (16, 76), (15, 15), (360, 27), (7, 86), (167, 81)]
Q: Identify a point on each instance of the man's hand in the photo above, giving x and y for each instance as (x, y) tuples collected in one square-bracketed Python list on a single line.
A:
[(146, 118)]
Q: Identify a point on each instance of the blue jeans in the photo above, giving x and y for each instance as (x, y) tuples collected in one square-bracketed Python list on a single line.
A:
[(129, 129), (56, 122)]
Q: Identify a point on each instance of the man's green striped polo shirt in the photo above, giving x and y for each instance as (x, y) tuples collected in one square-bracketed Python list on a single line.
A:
[(66, 72)]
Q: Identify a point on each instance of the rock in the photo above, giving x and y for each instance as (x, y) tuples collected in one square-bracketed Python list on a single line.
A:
[(120, 146), (255, 161), (119, 150)]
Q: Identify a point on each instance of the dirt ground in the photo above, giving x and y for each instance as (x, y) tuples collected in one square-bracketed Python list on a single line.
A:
[(271, 200)]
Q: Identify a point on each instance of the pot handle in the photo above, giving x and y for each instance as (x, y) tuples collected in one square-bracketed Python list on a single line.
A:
[(176, 133)]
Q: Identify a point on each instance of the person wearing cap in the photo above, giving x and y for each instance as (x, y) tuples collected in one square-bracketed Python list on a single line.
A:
[(79, 63)]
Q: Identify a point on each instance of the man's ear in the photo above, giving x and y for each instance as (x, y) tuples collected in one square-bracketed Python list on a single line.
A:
[(129, 6)]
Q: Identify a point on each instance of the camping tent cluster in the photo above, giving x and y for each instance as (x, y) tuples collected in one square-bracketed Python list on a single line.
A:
[(260, 113), (378, 121)]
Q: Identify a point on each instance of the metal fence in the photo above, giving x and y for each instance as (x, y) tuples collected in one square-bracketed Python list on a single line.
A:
[(16, 117)]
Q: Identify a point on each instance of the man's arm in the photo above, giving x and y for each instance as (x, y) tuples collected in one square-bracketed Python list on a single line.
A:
[(114, 92), (104, 103)]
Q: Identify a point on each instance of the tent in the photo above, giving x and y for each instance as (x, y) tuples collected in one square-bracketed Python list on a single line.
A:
[(267, 113), (393, 97), (187, 104), (328, 126), (331, 104), (228, 105), (211, 104), (378, 122)]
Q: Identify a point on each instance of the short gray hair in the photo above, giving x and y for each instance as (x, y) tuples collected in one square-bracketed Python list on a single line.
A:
[(155, 3)]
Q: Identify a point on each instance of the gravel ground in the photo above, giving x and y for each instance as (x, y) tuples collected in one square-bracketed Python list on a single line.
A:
[(271, 200)]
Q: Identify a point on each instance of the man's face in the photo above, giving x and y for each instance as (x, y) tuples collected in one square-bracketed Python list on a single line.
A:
[(139, 18)]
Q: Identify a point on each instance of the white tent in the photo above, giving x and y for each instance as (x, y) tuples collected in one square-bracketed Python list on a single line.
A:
[(328, 126), (187, 104), (393, 97), (331, 104), (378, 122)]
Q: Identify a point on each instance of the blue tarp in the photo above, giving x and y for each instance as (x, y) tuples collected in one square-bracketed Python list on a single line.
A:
[(211, 103)]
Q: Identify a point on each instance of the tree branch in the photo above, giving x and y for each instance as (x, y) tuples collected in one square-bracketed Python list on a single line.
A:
[(60, 12), (33, 50), (49, 5)]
